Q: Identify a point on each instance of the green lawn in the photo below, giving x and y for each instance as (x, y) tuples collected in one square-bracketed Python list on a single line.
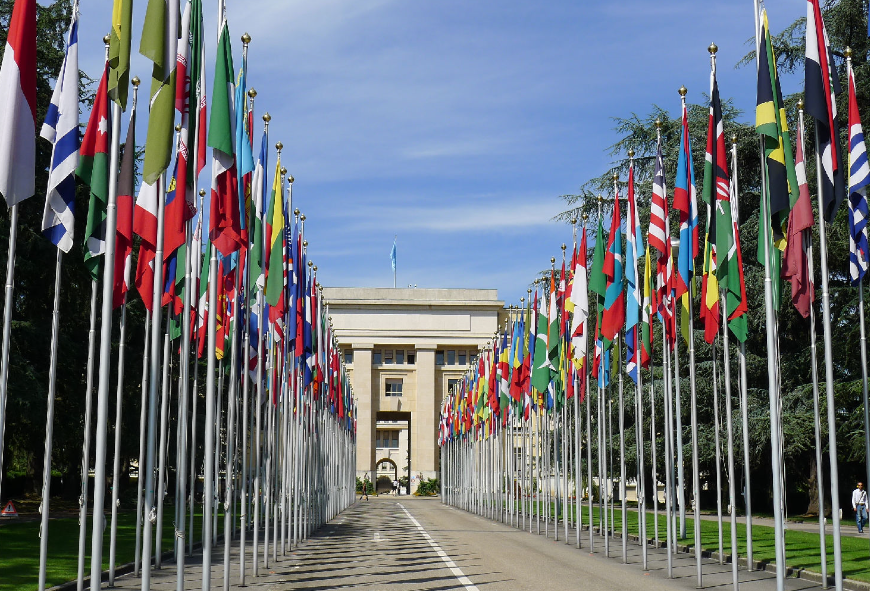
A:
[(802, 548), (19, 548)]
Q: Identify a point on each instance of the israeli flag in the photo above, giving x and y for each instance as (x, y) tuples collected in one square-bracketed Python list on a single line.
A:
[(61, 128)]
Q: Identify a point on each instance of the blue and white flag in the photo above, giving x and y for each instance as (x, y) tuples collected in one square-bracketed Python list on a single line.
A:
[(61, 128), (859, 178), (393, 255)]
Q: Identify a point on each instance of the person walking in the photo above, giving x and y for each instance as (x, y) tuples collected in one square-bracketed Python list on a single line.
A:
[(859, 505), (365, 488)]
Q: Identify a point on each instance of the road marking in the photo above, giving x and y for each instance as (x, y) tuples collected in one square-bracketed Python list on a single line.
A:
[(457, 572), (377, 536)]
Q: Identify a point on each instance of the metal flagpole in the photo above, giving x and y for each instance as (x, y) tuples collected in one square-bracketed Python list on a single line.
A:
[(183, 395), (670, 522), (820, 473), (230, 425), (623, 507), (49, 425), (589, 452), (653, 459), (829, 385), (156, 321), (208, 422), (7, 330), (680, 494), (161, 454), (718, 448), (732, 490), (196, 273), (105, 351), (140, 466)]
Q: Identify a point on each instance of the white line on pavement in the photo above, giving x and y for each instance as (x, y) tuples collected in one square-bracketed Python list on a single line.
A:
[(457, 572)]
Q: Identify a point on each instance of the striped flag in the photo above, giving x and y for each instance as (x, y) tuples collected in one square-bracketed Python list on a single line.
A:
[(613, 318), (633, 247), (124, 231), (859, 178), (94, 171), (716, 191), (821, 87), (660, 239), (18, 97), (61, 128), (685, 201)]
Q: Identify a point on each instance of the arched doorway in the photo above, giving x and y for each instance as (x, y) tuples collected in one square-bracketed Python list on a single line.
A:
[(387, 472)]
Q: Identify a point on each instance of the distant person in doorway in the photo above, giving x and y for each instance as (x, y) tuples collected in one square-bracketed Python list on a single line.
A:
[(365, 494), (859, 505)]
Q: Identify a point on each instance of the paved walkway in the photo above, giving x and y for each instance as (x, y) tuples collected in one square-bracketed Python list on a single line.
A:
[(419, 544)]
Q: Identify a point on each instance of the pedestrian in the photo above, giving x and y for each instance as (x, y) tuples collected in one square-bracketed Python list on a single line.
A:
[(395, 487), (365, 488), (859, 505)]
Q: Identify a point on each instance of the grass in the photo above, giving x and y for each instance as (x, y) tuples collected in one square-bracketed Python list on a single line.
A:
[(802, 548), (19, 542)]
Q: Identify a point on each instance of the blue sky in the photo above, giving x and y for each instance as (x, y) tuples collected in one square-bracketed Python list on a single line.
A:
[(455, 125)]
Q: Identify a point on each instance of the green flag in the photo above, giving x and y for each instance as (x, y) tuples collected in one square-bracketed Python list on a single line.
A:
[(160, 45), (119, 51), (541, 361), (93, 170)]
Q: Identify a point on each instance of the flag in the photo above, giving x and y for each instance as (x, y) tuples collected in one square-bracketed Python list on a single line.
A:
[(633, 246), (660, 239), (393, 255), (61, 128), (800, 223), (94, 171), (821, 86), (685, 201), (541, 363), (145, 226), (225, 226), (716, 194), (275, 276), (120, 38), (859, 178), (770, 123), (613, 318), (196, 73), (159, 44), (580, 298), (124, 232), (18, 97), (646, 332), (256, 260), (598, 285)]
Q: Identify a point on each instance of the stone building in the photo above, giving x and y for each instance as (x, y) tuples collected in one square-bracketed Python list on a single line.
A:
[(404, 348)]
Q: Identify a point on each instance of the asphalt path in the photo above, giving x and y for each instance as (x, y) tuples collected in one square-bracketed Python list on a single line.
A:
[(420, 544)]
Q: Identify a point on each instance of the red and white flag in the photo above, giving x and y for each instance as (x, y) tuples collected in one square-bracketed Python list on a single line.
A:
[(18, 97)]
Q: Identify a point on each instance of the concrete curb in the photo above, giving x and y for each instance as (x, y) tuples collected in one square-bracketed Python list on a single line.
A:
[(758, 565)]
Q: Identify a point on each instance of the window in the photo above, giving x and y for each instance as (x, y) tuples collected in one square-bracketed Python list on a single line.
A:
[(400, 357), (376, 357), (388, 356), (412, 357), (451, 384), (348, 357), (388, 439), (439, 357), (462, 358), (451, 357), (393, 387)]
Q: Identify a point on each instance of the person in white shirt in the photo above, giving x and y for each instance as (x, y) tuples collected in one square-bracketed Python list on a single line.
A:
[(859, 505)]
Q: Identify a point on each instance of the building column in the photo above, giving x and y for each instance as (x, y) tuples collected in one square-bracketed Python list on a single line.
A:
[(424, 433), (366, 412)]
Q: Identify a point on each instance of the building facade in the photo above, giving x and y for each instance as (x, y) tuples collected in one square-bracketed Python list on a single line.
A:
[(403, 349)]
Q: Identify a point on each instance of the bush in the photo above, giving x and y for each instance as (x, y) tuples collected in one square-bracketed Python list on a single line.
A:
[(429, 488), (359, 486)]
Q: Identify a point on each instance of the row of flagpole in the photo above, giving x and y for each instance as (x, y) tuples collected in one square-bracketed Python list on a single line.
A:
[(296, 464), (501, 462)]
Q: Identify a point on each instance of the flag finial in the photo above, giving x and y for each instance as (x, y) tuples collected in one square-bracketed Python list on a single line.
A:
[(290, 179), (246, 38), (266, 117), (279, 146), (658, 123), (202, 192), (107, 40), (713, 49), (135, 81), (252, 93), (683, 91)]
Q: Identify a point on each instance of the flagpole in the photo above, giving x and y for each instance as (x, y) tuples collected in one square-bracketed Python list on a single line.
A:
[(7, 324), (49, 425), (668, 400), (744, 396), (829, 382), (620, 342), (718, 447), (209, 451), (732, 491), (861, 315), (143, 406), (193, 415)]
